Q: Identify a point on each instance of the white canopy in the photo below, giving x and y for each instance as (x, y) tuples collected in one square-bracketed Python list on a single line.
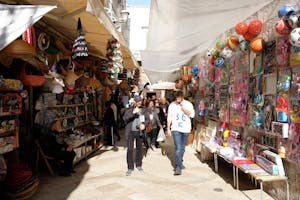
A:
[(180, 29), (15, 19)]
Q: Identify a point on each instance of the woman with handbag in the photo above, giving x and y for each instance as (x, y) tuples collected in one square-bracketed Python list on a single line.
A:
[(152, 124)]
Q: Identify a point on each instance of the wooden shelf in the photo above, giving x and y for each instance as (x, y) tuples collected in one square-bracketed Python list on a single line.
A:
[(66, 105), (7, 133)]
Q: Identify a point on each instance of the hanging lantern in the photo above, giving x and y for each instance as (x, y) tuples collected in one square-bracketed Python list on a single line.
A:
[(255, 27), (241, 28), (80, 45), (257, 45)]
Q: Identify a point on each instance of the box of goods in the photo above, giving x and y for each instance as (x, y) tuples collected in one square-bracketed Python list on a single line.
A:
[(78, 153), (267, 165), (88, 148)]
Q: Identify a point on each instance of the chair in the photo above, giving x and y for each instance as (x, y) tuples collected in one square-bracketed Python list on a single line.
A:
[(46, 158)]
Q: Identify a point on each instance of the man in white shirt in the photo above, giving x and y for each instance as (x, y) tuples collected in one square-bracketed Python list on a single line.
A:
[(179, 126)]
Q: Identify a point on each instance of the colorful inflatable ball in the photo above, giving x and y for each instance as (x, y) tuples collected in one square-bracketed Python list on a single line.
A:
[(285, 11), (255, 27), (257, 45), (232, 42), (241, 28)]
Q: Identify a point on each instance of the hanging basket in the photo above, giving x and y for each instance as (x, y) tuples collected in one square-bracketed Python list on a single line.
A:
[(31, 79)]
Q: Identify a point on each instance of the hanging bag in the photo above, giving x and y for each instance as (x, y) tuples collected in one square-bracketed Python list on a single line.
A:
[(149, 127), (33, 80), (161, 137)]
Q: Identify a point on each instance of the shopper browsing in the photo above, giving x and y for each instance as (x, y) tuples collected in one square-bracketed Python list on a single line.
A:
[(179, 126)]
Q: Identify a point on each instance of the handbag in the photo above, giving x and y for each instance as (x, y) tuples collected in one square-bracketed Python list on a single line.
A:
[(149, 127), (161, 137)]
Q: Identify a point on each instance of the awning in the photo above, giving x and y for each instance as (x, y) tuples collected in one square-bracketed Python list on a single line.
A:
[(96, 25), (178, 30), (11, 25)]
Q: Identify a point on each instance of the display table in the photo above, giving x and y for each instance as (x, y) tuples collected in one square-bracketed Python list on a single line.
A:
[(246, 166), (258, 174)]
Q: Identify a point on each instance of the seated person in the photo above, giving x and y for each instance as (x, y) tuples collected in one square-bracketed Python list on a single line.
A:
[(53, 145)]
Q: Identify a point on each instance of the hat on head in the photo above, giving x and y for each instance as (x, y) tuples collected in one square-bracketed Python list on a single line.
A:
[(137, 98), (178, 93)]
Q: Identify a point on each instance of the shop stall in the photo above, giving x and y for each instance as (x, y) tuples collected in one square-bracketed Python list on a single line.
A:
[(245, 91)]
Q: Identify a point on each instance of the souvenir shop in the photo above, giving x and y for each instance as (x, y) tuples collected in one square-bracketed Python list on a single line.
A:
[(246, 95), (48, 82)]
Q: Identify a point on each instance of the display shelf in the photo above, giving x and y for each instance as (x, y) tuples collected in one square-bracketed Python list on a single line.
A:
[(66, 105), (7, 133), (81, 145), (70, 128), (70, 117)]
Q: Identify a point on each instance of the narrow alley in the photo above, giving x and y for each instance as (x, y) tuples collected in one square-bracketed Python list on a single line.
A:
[(103, 177)]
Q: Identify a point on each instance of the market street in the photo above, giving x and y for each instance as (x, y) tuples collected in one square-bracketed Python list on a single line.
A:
[(103, 177)]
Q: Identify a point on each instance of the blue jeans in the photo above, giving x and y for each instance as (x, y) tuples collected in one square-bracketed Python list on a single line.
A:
[(180, 140)]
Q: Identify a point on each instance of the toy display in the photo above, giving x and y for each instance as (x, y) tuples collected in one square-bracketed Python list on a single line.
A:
[(251, 81)]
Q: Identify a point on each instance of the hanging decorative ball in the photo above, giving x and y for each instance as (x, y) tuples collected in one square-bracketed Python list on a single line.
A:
[(212, 60), (226, 53), (249, 36), (219, 62), (209, 53), (281, 27), (195, 70), (244, 45), (257, 45), (294, 21), (220, 45), (255, 27), (295, 37), (285, 11), (241, 28), (232, 42)]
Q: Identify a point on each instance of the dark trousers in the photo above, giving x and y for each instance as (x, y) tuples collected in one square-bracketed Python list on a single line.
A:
[(134, 135), (151, 138), (67, 157)]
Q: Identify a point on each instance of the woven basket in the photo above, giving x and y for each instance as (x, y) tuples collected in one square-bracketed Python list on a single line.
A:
[(19, 48)]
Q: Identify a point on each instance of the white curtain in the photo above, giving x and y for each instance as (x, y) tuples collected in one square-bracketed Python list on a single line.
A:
[(15, 19), (180, 29)]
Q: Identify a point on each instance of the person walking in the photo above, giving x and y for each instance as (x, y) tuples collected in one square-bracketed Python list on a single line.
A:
[(153, 122), (134, 119), (179, 126), (109, 122)]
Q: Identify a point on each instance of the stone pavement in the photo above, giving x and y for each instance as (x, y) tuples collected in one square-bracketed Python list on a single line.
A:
[(103, 177)]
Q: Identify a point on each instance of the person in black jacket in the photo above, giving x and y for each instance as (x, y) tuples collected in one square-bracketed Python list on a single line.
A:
[(134, 119), (110, 123), (53, 145)]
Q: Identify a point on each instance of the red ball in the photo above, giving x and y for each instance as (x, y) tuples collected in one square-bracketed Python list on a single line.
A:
[(255, 27), (241, 28), (248, 36)]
